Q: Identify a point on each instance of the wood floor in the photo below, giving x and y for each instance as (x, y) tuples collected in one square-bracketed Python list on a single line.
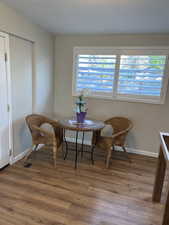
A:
[(90, 195)]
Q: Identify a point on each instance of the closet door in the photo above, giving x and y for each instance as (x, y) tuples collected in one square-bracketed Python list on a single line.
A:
[(21, 81), (4, 114)]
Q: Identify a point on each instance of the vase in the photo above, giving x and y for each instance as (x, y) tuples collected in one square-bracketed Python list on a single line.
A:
[(80, 117)]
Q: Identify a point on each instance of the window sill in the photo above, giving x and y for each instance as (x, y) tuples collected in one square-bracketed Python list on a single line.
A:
[(125, 99)]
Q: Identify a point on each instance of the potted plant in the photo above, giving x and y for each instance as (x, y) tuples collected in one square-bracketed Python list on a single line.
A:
[(81, 109)]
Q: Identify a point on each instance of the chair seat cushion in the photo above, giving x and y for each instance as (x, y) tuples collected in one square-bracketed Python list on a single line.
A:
[(107, 131)]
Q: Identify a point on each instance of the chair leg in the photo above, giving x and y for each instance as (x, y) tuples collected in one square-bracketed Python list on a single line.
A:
[(35, 150), (54, 151), (108, 158), (25, 163), (113, 148), (126, 153), (62, 145)]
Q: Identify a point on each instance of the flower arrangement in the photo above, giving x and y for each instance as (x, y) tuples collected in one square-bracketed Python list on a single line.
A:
[(81, 109)]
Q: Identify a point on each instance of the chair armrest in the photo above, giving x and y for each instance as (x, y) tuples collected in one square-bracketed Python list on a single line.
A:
[(123, 132), (110, 140), (119, 134)]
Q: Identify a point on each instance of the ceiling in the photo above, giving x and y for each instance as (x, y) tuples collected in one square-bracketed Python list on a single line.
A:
[(97, 16)]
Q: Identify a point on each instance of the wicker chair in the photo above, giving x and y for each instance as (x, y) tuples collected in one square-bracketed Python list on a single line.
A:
[(42, 136), (121, 126)]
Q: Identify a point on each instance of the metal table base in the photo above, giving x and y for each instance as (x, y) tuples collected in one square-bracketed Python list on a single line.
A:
[(77, 150)]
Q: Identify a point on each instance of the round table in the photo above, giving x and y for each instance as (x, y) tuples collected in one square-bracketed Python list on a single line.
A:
[(87, 126)]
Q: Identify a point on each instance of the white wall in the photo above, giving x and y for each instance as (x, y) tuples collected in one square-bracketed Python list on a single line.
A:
[(148, 119), (11, 21)]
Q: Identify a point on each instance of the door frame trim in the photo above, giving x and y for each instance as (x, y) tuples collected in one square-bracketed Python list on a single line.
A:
[(8, 71)]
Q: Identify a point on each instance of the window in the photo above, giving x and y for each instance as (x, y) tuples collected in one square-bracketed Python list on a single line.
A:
[(135, 74)]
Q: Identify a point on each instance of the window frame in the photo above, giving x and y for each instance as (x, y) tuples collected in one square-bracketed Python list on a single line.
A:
[(118, 51)]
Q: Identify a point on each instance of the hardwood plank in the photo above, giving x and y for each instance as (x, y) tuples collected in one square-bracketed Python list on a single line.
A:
[(90, 195)]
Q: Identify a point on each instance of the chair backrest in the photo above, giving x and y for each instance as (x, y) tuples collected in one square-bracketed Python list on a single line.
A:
[(35, 120), (120, 124)]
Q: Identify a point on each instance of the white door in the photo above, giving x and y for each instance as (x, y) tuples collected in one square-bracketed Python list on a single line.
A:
[(4, 114)]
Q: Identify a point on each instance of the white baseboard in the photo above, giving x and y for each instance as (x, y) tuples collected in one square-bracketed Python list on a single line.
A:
[(86, 142), (19, 157), (22, 155), (130, 150), (139, 152)]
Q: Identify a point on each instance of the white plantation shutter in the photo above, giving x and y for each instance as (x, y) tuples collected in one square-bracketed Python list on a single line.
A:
[(95, 72), (141, 75), (135, 74)]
